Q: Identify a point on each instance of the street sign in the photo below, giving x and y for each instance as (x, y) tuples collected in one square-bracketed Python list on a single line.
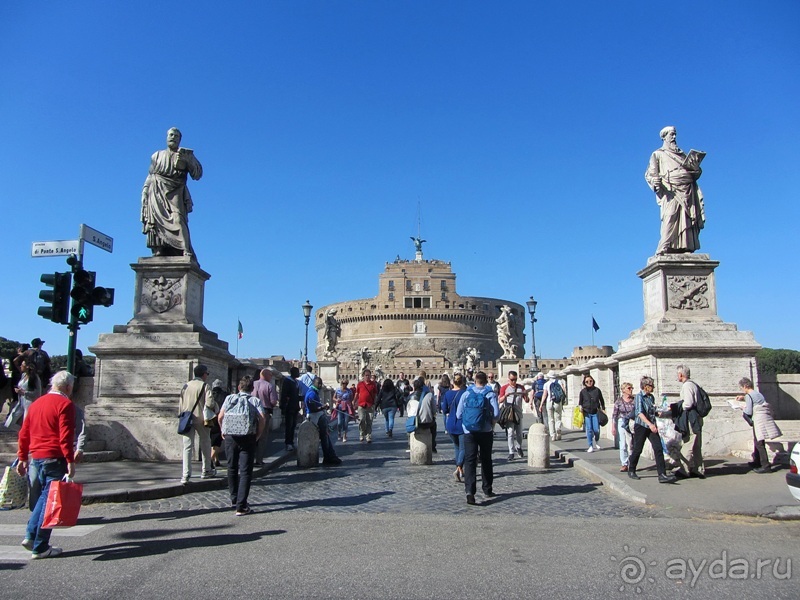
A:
[(95, 238), (57, 248)]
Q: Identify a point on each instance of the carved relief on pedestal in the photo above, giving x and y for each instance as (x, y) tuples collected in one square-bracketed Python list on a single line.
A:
[(161, 294), (688, 292)]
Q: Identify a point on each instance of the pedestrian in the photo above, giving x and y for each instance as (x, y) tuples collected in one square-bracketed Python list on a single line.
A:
[(307, 379), (37, 358), (194, 396), (758, 415), (343, 403), (552, 404), (689, 456), (242, 422), (620, 423), (82, 368), (537, 391), (218, 393), (28, 389), (47, 438), (492, 383), (645, 428), (388, 401), (265, 391), (318, 415), (290, 406), (366, 396), (452, 424), (478, 410), (591, 401), (510, 401)]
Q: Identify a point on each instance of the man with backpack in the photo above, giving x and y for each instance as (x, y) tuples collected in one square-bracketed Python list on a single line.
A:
[(36, 357), (478, 411), (553, 398), (537, 390), (242, 420), (694, 402)]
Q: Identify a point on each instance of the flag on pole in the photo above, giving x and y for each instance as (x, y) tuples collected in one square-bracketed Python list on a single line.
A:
[(240, 330), (595, 326)]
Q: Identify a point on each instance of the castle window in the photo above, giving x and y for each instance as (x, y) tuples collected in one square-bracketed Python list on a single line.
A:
[(391, 296), (444, 295), (443, 285), (426, 285), (408, 285), (391, 285)]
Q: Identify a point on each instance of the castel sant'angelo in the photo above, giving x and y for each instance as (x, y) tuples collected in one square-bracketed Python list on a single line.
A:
[(418, 321)]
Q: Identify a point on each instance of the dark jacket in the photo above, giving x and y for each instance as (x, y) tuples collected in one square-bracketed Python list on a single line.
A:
[(591, 400), (289, 400), (389, 399), (685, 419)]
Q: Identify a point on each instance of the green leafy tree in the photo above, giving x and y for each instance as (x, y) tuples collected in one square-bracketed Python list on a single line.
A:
[(782, 361)]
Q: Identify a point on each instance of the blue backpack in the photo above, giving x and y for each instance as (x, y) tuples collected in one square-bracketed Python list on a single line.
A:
[(556, 392), (474, 413)]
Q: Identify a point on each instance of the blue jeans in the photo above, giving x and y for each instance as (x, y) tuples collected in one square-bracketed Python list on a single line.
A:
[(342, 421), (388, 414), (458, 442), (592, 428), (47, 471)]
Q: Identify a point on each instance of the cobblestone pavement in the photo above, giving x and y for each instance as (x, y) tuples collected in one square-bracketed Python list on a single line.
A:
[(378, 478)]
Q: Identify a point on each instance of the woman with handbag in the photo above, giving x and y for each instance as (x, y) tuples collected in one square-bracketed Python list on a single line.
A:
[(758, 415), (28, 389), (343, 405), (645, 428), (620, 422), (388, 400), (591, 402), (510, 401)]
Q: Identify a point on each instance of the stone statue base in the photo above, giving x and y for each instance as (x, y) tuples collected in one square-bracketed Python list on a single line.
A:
[(504, 365), (142, 366), (682, 327), (329, 372)]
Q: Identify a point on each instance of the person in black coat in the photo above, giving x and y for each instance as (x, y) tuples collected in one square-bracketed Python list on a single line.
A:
[(591, 401)]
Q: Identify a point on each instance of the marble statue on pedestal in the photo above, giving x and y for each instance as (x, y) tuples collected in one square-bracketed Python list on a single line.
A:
[(166, 202), (673, 176), (332, 332), (507, 332)]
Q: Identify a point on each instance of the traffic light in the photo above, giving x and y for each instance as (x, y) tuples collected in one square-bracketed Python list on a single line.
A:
[(57, 298), (85, 295)]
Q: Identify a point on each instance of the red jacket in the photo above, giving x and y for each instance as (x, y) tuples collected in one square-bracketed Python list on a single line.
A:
[(366, 393), (48, 430)]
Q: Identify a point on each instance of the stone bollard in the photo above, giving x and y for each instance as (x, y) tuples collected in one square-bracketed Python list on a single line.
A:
[(538, 447), (421, 447), (307, 445)]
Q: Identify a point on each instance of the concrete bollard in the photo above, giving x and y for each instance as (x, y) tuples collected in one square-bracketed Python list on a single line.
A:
[(421, 447), (538, 447), (307, 445)]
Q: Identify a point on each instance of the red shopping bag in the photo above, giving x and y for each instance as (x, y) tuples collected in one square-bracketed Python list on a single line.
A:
[(63, 504)]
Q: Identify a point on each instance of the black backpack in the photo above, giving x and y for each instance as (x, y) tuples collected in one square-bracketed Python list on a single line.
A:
[(703, 404)]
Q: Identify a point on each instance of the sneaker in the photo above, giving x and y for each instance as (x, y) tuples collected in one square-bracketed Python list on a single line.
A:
[(184, 481), (27, 543), (633, 475), (761, 470), (369, 440), (361, 439), (590, 449), (596, 446), (510, 457), (667, 479), (552, 438), (470, 499), (209, 474), (344, 439), (245, 511), (49, 553), (489, 494), (519, 451)]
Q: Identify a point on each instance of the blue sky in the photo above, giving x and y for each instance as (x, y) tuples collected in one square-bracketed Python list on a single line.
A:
[(522, 129)]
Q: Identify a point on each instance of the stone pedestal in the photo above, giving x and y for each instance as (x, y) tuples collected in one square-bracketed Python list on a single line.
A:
[(504, 365), (329, 372), (142, 366), (307, 445), (421, 447), (682, 327), (538, 447)]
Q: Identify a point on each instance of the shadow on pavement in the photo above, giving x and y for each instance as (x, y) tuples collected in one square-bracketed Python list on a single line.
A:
[(349, 501), (126, 550)]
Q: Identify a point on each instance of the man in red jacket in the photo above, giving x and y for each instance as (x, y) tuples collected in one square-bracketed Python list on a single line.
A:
[(366, 394), (48, 437)]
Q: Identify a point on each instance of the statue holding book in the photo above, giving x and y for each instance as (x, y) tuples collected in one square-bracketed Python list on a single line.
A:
[(672, 175), (166, 202)]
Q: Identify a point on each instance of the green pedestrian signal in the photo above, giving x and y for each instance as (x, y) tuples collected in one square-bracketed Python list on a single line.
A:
[(82, 289)]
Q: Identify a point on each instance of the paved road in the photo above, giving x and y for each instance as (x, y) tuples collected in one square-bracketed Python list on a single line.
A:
[(378, 528)]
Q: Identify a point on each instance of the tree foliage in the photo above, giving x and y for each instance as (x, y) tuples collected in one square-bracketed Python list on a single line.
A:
[(782, 361)]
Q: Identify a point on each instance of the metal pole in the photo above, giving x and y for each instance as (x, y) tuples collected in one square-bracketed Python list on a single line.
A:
[(534, 364), (305, 349)]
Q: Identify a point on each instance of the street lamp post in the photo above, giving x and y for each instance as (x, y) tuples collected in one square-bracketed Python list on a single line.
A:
[(532, 312), (307, 314)]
